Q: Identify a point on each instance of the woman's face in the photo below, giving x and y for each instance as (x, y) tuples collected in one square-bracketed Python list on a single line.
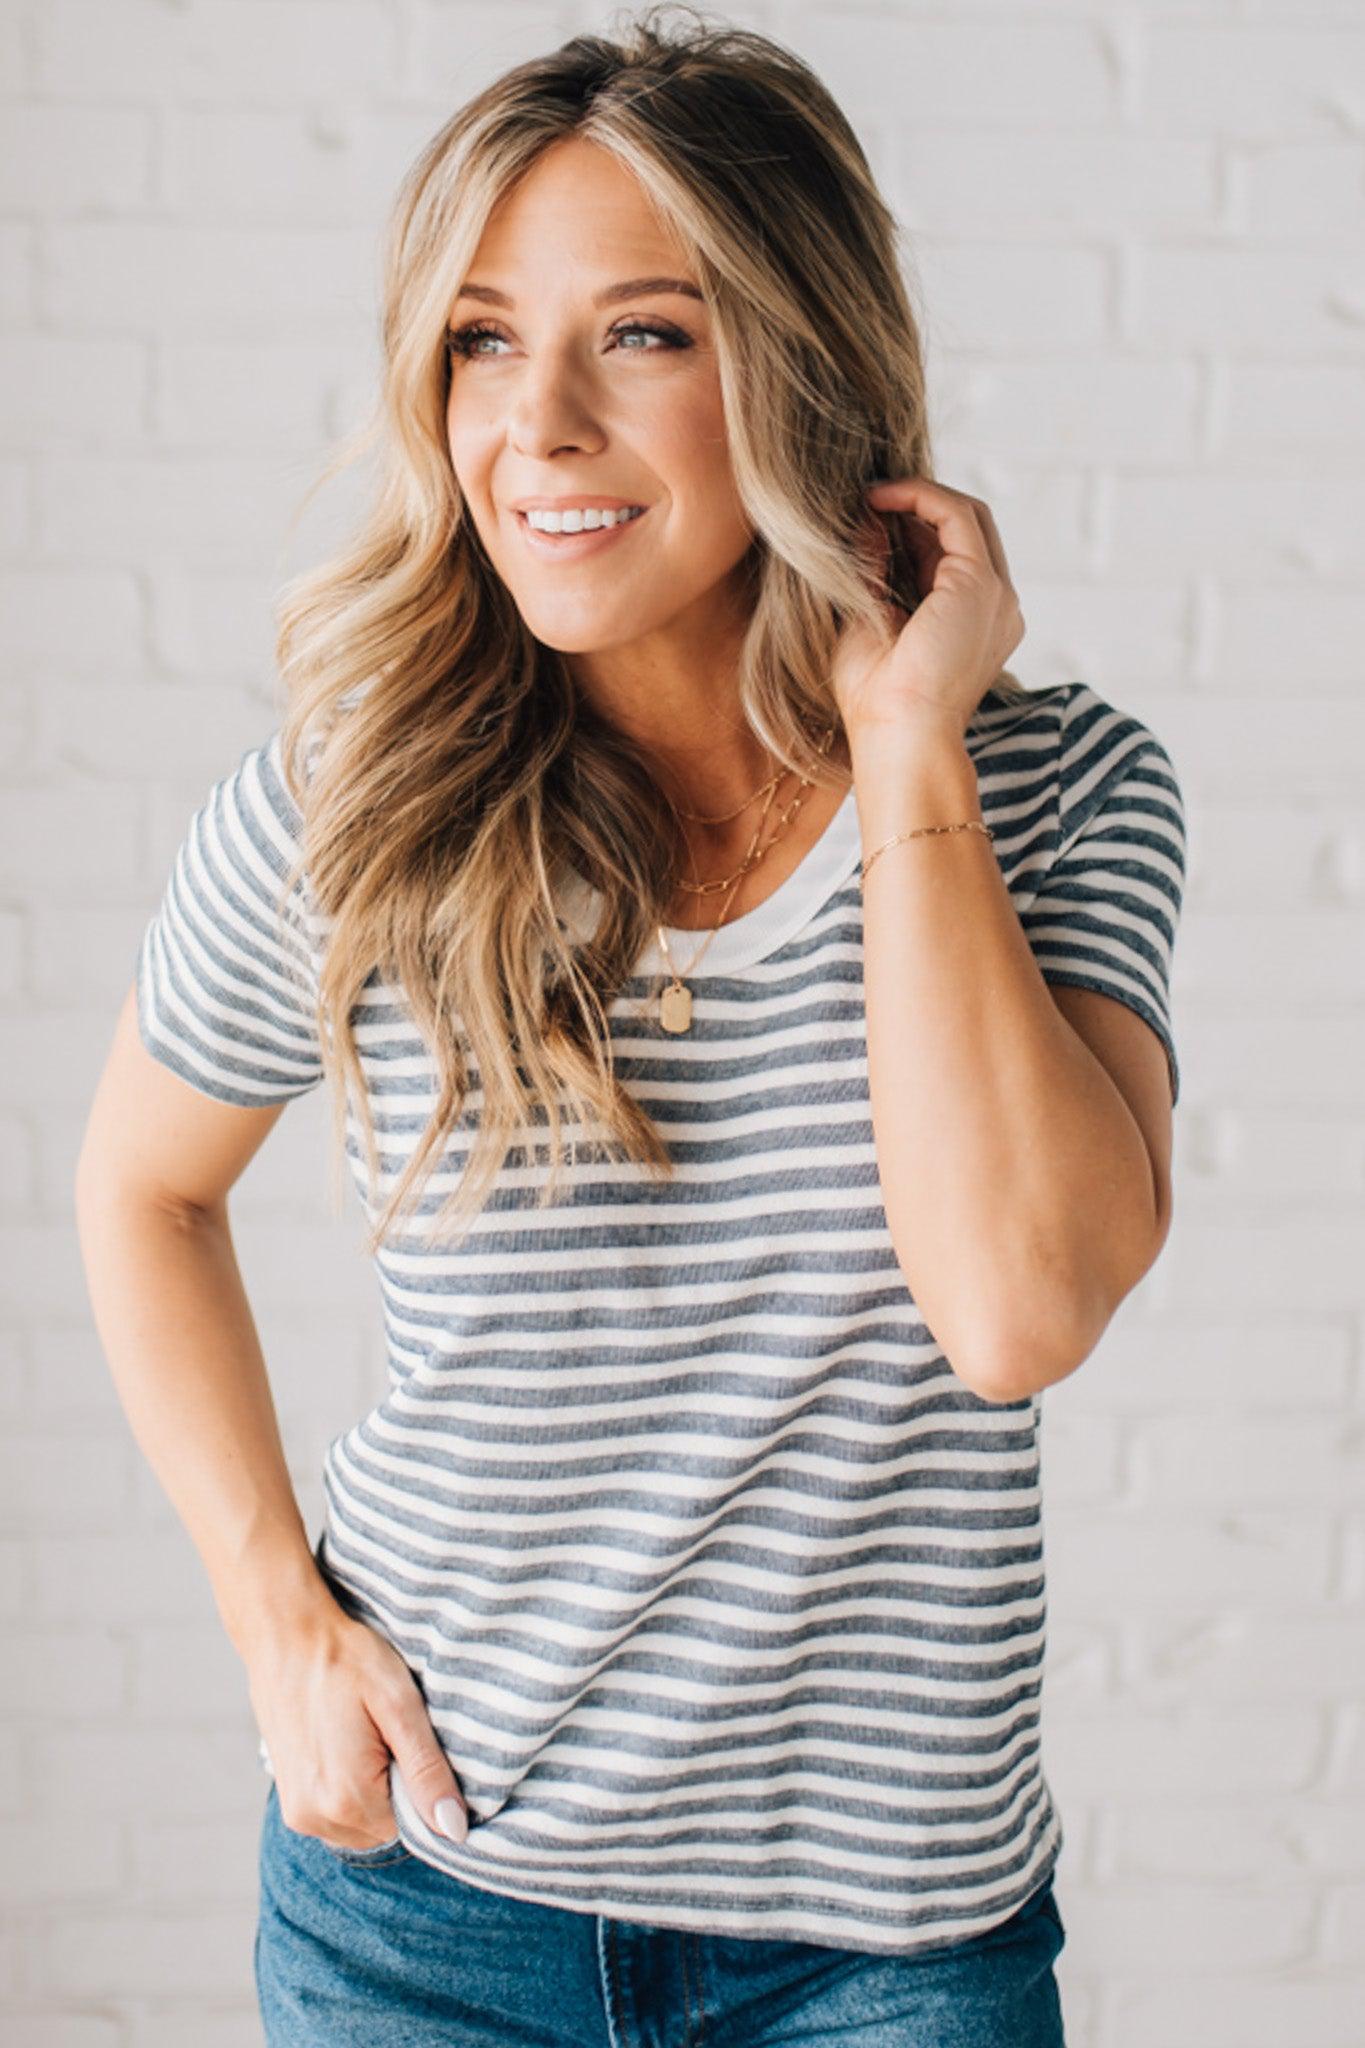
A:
[(554, 395)]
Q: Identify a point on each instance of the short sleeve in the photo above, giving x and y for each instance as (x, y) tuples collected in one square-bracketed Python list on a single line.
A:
[(224, 974), (1106, 913)]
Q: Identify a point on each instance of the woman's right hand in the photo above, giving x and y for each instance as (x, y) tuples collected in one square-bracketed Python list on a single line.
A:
[(336, 1704)]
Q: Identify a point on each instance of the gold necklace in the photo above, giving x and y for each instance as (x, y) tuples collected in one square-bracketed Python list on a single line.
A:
[(675, 1001), (697, 819), (751, 859)]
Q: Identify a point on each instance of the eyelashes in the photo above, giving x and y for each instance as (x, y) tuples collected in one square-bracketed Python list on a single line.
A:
[(460, 341)]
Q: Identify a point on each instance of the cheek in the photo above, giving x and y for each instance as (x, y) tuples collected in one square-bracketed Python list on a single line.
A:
[(472, 454), (698, 468)]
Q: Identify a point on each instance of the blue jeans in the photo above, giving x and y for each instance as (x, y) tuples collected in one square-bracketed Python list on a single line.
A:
[(374, 1948)]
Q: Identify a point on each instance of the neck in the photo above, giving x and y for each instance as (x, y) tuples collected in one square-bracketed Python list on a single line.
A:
[(718, 849), (713, 779), (675, 693), (676, 696)]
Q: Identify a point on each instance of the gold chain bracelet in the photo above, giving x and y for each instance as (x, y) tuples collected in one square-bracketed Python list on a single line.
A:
[(971, 825)]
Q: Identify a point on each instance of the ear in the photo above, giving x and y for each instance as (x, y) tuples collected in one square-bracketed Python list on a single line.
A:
[(1135, 1059)]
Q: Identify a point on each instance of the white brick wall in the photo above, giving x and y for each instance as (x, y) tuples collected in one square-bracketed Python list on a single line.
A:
[(1137, 232)]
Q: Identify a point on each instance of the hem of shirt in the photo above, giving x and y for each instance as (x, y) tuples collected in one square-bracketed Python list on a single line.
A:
[(1077, 977), (711, 1915)]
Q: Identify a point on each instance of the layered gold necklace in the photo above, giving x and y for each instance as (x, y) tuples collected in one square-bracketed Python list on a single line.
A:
[(675, 1001)]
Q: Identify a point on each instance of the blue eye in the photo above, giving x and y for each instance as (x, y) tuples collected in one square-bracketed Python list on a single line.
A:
[(460, 341)]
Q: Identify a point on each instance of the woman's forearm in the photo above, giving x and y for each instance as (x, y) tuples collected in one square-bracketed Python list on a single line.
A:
[(177, 1330), (1018, 1188)]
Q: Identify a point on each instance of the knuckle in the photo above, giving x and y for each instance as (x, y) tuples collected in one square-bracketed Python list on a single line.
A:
[(396, 1695)]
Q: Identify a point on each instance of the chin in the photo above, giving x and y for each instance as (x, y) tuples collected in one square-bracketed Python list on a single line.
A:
[(590, 638)]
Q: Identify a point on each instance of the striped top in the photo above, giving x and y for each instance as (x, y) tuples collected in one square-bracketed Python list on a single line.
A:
[(725, 1594)]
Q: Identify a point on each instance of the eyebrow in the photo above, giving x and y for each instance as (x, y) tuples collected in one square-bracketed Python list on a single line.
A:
[(630, 288)]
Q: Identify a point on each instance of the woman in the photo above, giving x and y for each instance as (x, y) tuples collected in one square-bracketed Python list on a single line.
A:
[(746, 1013)]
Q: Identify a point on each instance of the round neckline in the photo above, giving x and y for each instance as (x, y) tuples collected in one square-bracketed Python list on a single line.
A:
[(823, 868), (754, 933)]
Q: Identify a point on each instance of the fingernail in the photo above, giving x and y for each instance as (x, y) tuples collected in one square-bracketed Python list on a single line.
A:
[(452, 1819)]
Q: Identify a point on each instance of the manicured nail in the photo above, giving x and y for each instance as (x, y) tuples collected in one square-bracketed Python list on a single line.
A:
[(452, 1819)]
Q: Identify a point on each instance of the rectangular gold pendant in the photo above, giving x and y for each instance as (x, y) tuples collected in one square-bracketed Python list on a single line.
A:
[(675, 1008)]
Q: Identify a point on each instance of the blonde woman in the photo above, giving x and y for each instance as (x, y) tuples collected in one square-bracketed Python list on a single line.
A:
[(745, 1009)]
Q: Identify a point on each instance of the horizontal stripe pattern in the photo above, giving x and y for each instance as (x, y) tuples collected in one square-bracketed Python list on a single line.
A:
[(725, 1595), (224, 975), (1106, 916)]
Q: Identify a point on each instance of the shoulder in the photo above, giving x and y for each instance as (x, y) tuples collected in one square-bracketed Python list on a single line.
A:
[(242, 858), (260, 800), (1110, 761), (1016, 730), (1072, 740), (1061, 767), (1099, 736), (1070, 721)]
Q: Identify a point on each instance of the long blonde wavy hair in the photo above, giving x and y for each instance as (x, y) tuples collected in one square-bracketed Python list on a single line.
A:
[(449, 771)]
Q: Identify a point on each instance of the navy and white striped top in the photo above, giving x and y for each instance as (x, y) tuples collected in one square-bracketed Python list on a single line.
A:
[(724, 1592)]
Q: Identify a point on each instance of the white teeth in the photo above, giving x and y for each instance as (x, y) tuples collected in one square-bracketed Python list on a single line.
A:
[(581, 520)]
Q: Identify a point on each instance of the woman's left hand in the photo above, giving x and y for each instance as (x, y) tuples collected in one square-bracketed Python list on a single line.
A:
[(938, 661)]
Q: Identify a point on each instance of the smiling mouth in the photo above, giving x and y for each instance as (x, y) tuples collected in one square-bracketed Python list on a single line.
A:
[(586, 541)]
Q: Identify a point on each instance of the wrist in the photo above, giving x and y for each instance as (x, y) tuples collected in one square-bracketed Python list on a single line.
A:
[(921, 723), (909, 775), (280, 1598)]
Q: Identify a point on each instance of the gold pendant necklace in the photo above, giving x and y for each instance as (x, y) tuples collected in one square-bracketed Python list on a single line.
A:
[(675, 1004), (675, 1001)]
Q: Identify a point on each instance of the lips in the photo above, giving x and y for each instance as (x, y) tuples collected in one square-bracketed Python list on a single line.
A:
[(623, 514), (568, 547), (587, 503)]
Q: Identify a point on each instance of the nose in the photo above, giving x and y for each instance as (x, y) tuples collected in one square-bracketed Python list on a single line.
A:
[(550, 411)]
